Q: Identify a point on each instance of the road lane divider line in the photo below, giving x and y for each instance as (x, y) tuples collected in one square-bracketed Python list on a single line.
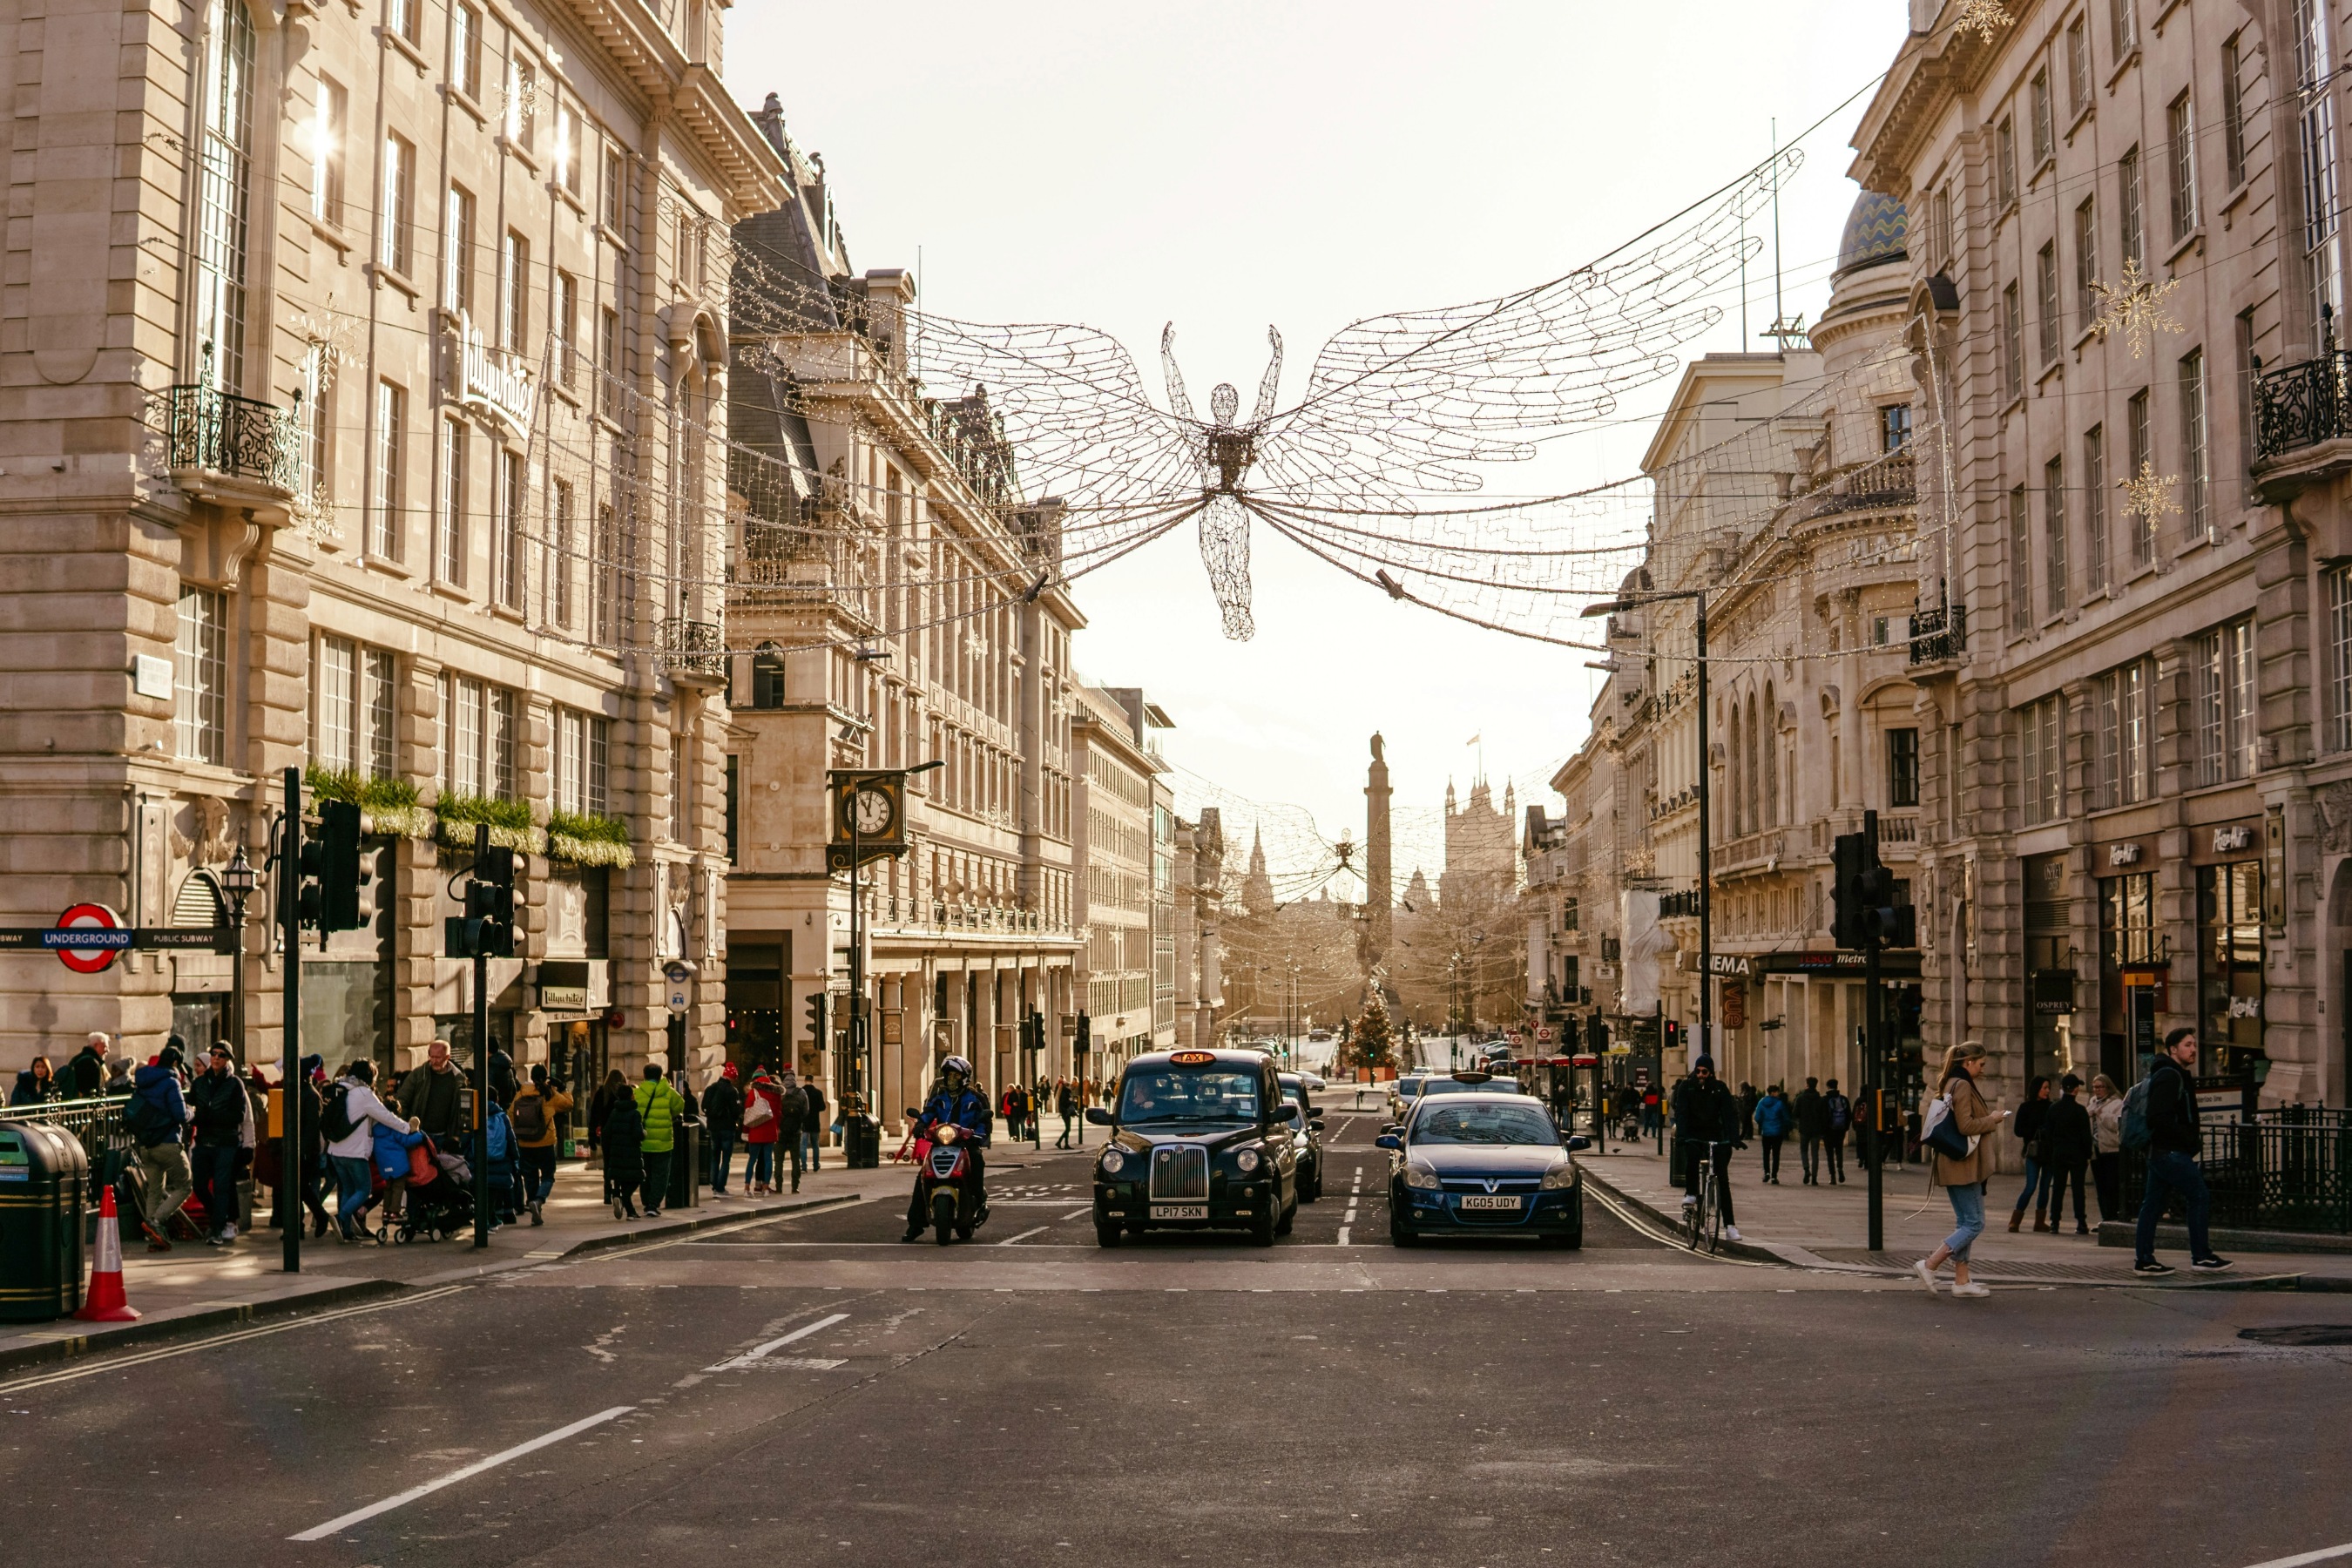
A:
[(758, 1351), (140, 1358), (1024, 1236), (1343, 1236), (358, 1516), (1079, 1214), (2324, 1554)]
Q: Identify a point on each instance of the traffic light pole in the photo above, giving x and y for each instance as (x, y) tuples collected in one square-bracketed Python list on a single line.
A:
[(289, 924), (1705, 863), (1874, 1057), (481, 1064)]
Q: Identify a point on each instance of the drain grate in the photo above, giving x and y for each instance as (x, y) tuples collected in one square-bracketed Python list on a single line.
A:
[(2300, 1334)]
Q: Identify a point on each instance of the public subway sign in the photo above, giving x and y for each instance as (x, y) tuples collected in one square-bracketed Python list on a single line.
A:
[(491, 381)]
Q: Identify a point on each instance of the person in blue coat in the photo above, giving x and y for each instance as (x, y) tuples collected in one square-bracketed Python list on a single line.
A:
[(391, 1154), (1774, 1117)]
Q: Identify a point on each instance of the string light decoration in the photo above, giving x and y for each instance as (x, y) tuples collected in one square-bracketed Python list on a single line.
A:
[(2133, 308), (2148, 494)]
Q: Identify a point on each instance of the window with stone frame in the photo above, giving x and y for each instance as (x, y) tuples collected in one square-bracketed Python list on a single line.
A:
[(388, 491), (200, 677), (2225, 702), (2124, 26), (2336, 586), (2233, 114), (2045, 139), (2140, 453), (2130, 208), (2078, 67), (2180, 127), (351, 707), (330, 159), (2042, 729), (457, 250), (2124, 736), (2045, 289), (2057, 575), (396, 203), (2013, 345), (2021, 563), (2196, 506), (480, 728), (2086, 263), (2094, 507), (2005, 161), (466, 50)]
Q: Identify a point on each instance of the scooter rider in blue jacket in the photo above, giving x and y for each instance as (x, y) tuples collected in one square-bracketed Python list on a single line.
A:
[(954, 1103)]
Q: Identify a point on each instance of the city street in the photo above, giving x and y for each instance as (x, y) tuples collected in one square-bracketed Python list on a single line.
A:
[(810, 1389)]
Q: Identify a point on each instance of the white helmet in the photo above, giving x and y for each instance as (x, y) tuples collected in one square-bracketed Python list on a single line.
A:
[(956, 1064)]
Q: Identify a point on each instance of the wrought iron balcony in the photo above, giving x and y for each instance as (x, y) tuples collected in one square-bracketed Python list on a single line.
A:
[(694, 649), (1939, 636), (210, 433), (2302, 404)]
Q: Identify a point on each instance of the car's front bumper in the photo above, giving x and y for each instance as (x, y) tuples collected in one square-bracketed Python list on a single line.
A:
[(1552, 1212), (1229, 1204)]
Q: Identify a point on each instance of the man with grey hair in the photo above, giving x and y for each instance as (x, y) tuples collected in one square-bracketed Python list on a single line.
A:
[(84, 1077)]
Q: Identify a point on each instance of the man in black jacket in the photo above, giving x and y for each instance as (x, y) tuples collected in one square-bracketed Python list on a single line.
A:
[(2066, 1152), (221, 1107), (430, 1094), (1705, 1113), (2173, 1146), (85, 1076), (1812, 1125)]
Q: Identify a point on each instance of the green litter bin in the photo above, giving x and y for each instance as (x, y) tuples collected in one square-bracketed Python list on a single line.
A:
[(44, 1192)]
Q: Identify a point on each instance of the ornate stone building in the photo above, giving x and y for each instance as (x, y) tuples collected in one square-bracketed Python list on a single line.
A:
[(363, 403)]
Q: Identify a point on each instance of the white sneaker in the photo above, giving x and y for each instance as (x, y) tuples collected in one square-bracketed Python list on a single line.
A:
[(1971, 1288), (1731, 1233), (229, 1233), (1927, 1275)]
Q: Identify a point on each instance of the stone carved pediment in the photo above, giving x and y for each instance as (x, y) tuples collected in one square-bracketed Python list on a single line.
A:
[(2333, 802)]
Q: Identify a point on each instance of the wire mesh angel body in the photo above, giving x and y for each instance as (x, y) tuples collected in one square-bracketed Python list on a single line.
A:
[(1223, 453)]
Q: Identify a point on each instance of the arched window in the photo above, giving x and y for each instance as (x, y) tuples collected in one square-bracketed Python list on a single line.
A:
[(223, 175), (1755, 744), (1771, 759), (1731, 770)]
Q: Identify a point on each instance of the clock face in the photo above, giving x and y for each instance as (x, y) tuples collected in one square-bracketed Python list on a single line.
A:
[(869, 809)]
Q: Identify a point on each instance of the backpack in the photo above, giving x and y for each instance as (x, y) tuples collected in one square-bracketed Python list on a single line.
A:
[(1841, 1112), (2135, 1135), (335, 1118), (149, 1122), (529, 1115), (498, 1140)]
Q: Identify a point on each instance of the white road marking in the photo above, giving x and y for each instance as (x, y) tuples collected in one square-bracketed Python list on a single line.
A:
[(1343, 1236), (2326, 1554), (1079, 1214), (142, 1357), (1024, 1236), (757, 1351), (333, 1526)]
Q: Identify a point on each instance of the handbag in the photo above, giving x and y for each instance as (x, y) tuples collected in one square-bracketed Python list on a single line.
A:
[(756, 1111), (1942, 1133)]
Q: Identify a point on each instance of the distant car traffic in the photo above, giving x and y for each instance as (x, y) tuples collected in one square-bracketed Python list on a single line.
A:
[(1306, 1133), (1403, 1092), (1483, 1163), (1202, 1140)]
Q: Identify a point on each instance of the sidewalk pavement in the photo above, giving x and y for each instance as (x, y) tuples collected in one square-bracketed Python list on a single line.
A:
[(1828, 1227), (195, 1286)]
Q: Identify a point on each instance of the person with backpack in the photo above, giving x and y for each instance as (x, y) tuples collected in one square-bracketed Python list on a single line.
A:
[(1952, 1131), (349, 1112), (1812, 1125), (791, 1127), (763, 1102), (660, 1107), (157, 1117), (722, 1117), (1838, 1110), (2066, 1149), (2106, 1110), (536, 1106), (84, 1077), (2163, 1122), (1773, 1120), (622, 1135), (221, 1112)]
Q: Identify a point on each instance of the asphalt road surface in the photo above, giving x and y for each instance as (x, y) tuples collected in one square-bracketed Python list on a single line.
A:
[(812, 1390)]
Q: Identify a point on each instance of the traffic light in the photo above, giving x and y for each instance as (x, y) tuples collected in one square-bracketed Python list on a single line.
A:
[(1850, 858), (340, 872), (1084, 1040), (1670, 1038), (1567, 1032), (1890, 924), (1596, 1036), (487, 929), (816, 1003)]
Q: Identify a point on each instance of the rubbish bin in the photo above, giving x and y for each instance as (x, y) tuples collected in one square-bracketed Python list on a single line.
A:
[(44, 1194), (861, 1139), (685, 1168)]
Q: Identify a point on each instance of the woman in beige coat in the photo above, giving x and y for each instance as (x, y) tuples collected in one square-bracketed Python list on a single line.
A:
[(1963, 1179)]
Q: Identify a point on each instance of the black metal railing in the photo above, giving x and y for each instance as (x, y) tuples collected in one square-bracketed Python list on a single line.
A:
[(2289, 1169), (693, 647), (99, 1123), (2303, 404), (217, 432), (1939, 636), (1674, 905), (1889, 484)]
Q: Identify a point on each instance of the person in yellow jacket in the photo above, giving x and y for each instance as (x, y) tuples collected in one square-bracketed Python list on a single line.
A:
[(532, 1115), (659, 1105)]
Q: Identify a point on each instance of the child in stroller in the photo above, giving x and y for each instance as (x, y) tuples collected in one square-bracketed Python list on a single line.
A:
[(442, 1206)]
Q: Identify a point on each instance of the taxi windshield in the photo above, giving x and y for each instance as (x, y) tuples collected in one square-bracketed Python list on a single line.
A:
[(1485, 1124), (1177, 1095)]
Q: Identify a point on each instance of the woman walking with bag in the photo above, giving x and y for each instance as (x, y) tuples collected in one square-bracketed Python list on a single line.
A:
[(1952, 1129)]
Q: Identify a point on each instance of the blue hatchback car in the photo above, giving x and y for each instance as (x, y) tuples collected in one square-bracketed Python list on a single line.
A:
[(1483, 1163)]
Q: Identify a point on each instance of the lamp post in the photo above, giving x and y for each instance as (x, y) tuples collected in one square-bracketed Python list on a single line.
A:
[(1706, 860), (239, 880), (861, 1046)]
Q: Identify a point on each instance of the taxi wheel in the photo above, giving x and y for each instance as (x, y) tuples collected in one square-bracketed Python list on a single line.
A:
[(1106, 1235), (1310, 1186), (1264, 1228), (1290, 1217)]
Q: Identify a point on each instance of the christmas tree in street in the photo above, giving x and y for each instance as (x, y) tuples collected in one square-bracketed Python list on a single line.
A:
[(1374, 1043)]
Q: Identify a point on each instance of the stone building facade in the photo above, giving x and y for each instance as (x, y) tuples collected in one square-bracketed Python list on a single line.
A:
[(1198, 906), (1118, 895), (360, 391)]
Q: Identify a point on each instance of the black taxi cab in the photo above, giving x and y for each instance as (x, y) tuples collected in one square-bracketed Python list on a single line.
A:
[(1200, 1141)]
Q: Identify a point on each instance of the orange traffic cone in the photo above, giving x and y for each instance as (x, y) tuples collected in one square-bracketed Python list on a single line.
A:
[(105, 1302)]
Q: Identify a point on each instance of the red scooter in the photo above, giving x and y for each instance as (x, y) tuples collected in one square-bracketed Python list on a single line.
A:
[(944, 1187)]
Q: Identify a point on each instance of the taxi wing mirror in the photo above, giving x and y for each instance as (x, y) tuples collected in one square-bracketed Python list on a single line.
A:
[(1285, 1114), (1098, 1116), (1388, 1141)]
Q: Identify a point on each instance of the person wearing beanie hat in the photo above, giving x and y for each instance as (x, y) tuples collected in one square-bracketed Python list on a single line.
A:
[(1707, 1127)]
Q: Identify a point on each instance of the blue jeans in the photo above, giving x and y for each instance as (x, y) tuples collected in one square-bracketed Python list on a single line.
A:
[(216, 1172), (723, 1160), (1968, 1207), (808, 1148), (353, 1183), (759, 1166), (2168, 1171), (2034, 1179)]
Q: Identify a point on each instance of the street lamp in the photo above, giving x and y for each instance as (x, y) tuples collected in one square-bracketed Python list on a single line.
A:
[(861, 1046), (1706, 860), (237, 880)]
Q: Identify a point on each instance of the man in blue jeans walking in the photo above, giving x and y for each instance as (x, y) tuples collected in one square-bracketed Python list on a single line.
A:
[(2174, 1144)]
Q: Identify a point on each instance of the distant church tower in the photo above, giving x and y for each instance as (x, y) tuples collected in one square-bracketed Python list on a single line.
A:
[(1257, 888), (1376, 852)]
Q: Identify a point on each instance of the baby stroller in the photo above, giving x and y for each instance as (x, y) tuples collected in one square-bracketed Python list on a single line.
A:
[(442, 1207)]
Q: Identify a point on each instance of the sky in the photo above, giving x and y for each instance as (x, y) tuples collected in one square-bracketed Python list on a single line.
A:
[(1305, 164)]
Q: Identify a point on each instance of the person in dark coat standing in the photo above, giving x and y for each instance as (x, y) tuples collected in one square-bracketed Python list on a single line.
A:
[(2175, 1143), (813, 1126), (2066, 1149), (220, 1105), (623, 1135), (84, 1077), (430, 1094), (1812, 1125), (2028, 1127), (722, 1119)]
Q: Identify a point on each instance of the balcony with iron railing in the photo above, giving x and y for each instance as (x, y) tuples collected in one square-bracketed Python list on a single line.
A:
[(2303, 422), (694, 651), (239, 451), (1939, 636)]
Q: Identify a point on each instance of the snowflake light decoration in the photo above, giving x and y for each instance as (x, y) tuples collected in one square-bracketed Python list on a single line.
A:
[(2149, 495), (1987, 16), (2135, 308)]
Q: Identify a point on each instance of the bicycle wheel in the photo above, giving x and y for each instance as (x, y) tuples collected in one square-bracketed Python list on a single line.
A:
[(1714, 1237), (1694, 1217)]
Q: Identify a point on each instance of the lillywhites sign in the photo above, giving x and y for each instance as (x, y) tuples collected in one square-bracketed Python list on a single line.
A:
[(2123, 854), (492, 381)]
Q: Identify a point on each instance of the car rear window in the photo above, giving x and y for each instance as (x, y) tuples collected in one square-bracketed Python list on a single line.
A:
[(1478, 1124)]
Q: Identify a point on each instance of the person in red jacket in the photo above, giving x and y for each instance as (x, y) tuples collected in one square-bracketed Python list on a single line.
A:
[(764, 1105)]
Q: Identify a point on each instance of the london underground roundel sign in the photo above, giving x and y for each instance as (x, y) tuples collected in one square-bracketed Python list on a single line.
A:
[(88, 955)]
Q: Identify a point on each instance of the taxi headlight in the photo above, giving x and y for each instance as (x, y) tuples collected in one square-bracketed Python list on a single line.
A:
[(1560, 1175), (1113, 1162), (1422, 1177), (1247, 1160)]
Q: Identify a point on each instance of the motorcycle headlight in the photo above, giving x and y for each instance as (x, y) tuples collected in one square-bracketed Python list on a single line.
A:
[(1113, 1162), (1247, 1160), (1560, 1175), (1422, 1177), (943, 1134)]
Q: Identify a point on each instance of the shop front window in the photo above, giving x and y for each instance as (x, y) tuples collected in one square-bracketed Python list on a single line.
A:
[(2229, 966), (2131, 974)]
